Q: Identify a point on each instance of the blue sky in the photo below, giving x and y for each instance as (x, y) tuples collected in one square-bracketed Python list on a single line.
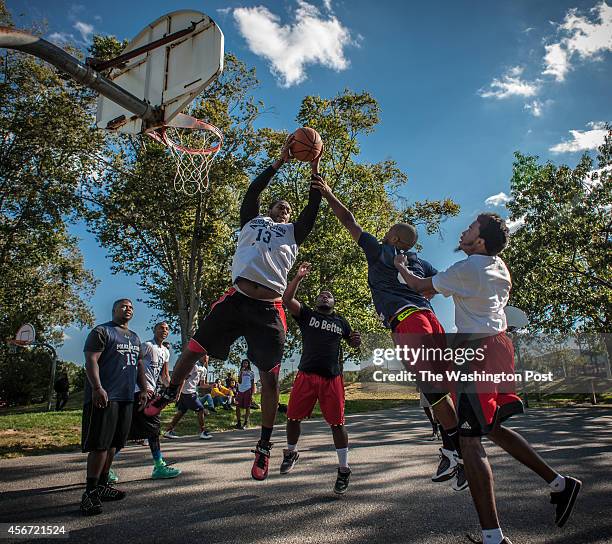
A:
[(462, 85)]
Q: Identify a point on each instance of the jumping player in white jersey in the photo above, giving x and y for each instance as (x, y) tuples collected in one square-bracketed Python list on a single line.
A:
[(480, 287), (252, 307)]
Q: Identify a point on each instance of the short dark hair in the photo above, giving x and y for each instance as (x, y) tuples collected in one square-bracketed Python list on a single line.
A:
[(159, 324), (275, 202), (119, 301), (494, 232)]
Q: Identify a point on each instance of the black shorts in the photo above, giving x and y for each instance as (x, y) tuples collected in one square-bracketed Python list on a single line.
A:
[(189, 401), (143, 426), (261, 322), (105, 428)]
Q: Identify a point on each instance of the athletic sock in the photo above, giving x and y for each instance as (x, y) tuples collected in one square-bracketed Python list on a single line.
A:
[(453, 434), (558, 484), (492, 536), (447, 443), (155, 448), (292, 447), (342, 457), (266, 433), (103, 480), (91, 484)]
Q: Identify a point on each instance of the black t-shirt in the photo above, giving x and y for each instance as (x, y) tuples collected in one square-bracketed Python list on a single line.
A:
[(321, 335)]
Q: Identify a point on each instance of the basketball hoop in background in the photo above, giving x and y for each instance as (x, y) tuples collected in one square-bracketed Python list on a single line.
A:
[(194, 144), (26, 335)]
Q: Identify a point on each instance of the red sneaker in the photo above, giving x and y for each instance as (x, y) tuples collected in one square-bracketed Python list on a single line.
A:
[(158, 403), (262, 460)]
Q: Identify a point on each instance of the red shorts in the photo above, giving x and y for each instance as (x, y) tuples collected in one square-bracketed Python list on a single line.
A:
[(422, 329), (482, 404), (308, 388), (243, 398)]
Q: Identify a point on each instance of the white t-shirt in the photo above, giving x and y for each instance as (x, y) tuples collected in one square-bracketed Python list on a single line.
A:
[(248, 377), (197, 374), (153, 357), (265, 253), (480, 286)]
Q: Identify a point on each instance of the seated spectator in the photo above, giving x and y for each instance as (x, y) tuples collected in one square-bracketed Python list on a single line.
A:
[(222, 396)]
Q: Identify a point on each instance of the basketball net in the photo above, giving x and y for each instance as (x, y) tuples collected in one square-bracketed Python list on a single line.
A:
[(194, 145)]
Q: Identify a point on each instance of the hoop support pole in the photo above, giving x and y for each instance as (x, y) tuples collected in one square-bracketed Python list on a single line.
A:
[(23, 41)]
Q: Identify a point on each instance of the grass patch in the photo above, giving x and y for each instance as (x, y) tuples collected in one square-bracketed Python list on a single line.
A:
[(31, 430)]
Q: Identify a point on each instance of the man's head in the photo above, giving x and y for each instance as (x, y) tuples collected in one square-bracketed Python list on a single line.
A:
[(488, 235), (280, 211), (325, 302), (161, 332), (123, 311), (403, 236), (218, 381)]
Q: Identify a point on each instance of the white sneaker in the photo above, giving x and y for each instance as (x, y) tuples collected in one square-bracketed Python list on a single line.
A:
[(171, 434), (205, 435), (447, 467)]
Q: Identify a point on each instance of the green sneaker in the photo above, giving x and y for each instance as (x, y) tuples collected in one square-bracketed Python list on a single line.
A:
[(113, 478), (161, 472)]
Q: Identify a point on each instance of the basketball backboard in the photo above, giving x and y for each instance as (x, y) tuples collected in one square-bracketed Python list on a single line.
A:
[(25, 335), (170, 76)]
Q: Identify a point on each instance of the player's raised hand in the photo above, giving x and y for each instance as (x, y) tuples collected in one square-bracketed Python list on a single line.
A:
[(399, 261), (314, 165), (304, 270), (318, 183), (143, 397), (286, 150)]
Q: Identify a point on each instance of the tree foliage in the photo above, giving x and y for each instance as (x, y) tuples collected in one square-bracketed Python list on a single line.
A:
[(46, 138), (560, 258)]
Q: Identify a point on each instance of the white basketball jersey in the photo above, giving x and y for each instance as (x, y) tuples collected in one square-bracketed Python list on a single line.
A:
[(266, 252)]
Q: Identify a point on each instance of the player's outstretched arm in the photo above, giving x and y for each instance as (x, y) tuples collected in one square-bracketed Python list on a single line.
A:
[(306, 220), (340, 210), (420, 285), (289, 300), (250, 204)]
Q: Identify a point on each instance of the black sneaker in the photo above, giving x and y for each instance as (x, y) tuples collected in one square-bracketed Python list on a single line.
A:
[(342, 482), (289, 460), (460, 483), (446, 468), (109, 493), (564, 500), (90, 503)]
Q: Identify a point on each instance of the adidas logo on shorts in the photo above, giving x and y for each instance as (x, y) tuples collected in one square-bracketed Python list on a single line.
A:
[(466, 425)]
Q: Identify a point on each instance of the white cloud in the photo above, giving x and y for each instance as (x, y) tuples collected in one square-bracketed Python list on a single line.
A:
[(535, 108), (85, 29), (556, 61), (515, 225), (509, 85), (327, 5), (582, 37), (224, 11), (582, 140), (498, 200), (310, 39), (61, 38)]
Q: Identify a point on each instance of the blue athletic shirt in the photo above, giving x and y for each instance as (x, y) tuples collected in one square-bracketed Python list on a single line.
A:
[(389, 290), (118, 363)]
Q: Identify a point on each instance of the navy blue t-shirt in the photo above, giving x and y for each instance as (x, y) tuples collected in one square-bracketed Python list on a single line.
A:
[(389, 292), (118, 363)]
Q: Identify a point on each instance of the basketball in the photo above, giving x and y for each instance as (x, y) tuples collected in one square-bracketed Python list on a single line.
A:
[(306, 145)]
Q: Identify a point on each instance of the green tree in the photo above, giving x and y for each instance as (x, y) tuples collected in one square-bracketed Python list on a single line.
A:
[(560, 259), (46, 141)]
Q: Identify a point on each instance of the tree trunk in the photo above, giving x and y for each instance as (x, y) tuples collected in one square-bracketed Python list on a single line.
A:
[(607, 338)]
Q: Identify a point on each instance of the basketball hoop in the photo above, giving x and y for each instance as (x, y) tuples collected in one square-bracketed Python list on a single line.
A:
[(194, 144)]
